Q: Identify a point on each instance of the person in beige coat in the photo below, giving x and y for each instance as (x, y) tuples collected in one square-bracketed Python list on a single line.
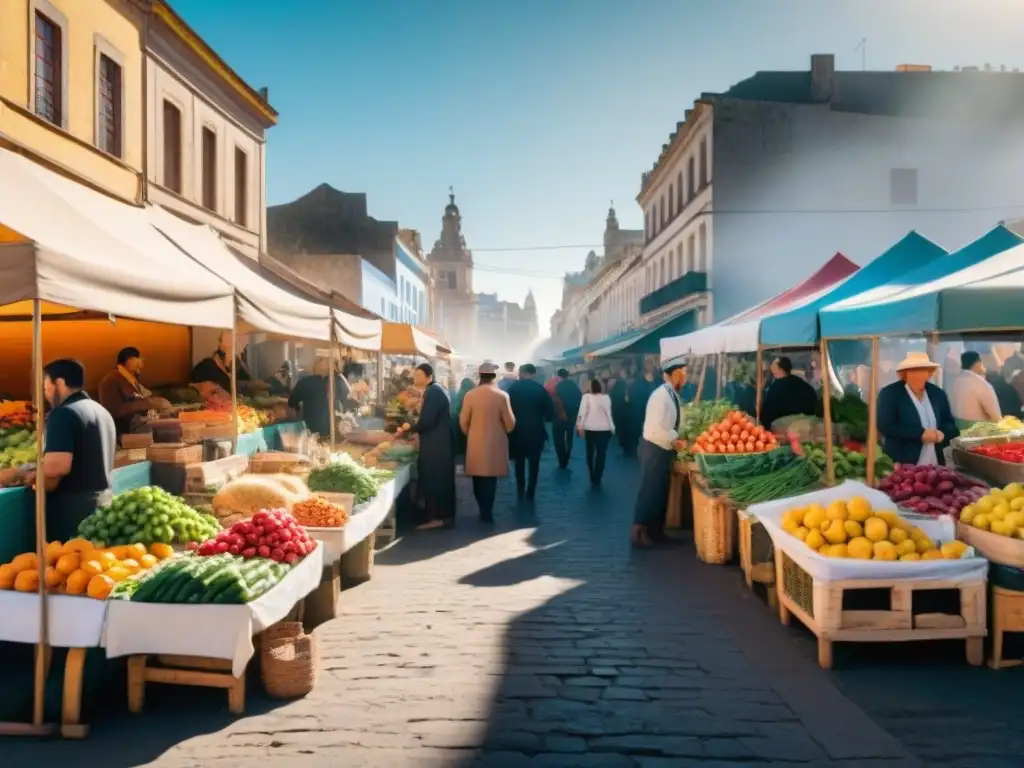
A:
[(974, 399), (486, 419)]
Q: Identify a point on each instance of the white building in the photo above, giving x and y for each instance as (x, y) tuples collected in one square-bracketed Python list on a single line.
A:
[(760, 185), (205, 135), (402, 299)]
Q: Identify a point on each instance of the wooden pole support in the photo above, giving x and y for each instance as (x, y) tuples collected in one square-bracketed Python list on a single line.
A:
[(872, 449), (826, 400), (759, 383)]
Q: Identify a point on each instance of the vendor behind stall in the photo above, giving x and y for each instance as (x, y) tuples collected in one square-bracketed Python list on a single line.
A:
[(121, 392), (79, 450), (788, 395), (281, 381), (216, 369), (310, 394), (914, 417)]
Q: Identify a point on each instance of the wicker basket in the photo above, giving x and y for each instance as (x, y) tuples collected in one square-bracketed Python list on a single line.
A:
[(714, 524), (288, 660)]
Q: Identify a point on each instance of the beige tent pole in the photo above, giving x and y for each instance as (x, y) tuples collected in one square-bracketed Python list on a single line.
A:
[(43, 646), (330, 383), (700, 381), (234, 380), (873, 413), (826, 401), (719, 375)]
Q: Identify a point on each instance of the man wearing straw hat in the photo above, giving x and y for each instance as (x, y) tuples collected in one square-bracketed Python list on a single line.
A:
[(914, 417)]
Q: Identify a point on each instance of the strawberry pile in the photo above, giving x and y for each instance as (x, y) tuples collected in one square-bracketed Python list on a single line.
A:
[(272, 534)]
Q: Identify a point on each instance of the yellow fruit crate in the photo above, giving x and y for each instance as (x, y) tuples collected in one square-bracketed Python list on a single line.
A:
[(823, 607), (756, 559)]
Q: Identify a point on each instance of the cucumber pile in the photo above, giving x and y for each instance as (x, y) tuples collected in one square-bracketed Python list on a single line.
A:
[(223, 579)]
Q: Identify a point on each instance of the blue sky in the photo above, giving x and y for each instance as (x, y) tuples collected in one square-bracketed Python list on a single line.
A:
[(538, 112)]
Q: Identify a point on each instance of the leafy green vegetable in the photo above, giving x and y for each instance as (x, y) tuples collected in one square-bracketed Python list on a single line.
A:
[(346, 476)]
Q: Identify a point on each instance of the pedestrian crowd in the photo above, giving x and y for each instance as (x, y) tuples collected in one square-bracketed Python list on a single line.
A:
[(503, 419)]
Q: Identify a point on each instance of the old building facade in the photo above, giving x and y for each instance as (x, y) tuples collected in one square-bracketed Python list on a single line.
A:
[(71, 89), (205, 135)]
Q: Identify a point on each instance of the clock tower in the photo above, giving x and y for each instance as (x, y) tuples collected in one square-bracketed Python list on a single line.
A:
[(451, 270)]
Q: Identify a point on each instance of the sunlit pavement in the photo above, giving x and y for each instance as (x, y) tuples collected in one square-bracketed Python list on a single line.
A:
[(545, 641)]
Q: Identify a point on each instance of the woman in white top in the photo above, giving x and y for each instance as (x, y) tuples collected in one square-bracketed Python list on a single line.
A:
[(595, 425)]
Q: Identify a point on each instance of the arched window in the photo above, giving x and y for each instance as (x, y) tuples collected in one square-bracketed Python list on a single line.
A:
[(679, 192), (692, 253), (671, 201), (691, 182), (679, 261), (703, 163)]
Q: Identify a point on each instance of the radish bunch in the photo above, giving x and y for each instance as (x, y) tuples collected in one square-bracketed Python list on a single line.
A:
[(931, 490), (272, 534)]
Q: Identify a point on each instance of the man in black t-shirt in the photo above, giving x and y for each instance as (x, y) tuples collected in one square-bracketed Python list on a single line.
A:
[(79, 447)]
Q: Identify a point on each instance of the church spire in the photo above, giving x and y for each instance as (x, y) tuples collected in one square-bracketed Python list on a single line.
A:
[(612, 222)]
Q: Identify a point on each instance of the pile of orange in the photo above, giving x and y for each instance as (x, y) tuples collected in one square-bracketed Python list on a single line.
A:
[(736, 433), (77, 568)]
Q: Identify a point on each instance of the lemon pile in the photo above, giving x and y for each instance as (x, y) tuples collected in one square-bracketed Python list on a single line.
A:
[(851, 528), (1001, 511)]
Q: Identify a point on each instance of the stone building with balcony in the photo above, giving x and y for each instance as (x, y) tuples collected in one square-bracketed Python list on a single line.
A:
[(758, 185)]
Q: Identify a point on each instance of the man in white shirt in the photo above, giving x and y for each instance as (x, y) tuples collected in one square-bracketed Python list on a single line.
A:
[(974, 399), (658, 448)]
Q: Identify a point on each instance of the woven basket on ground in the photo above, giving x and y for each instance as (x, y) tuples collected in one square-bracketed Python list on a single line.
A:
[(288, 660)]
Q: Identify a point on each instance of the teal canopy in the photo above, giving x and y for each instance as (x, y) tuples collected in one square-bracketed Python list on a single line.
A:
[(799, 326), (647, 341), (916, 302)]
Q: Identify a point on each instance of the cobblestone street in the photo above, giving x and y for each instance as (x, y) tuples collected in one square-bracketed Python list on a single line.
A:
[(545, 641)]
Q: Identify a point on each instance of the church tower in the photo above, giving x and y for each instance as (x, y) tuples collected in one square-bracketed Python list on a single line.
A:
[(611, 234), (451, 269), (530, 309)]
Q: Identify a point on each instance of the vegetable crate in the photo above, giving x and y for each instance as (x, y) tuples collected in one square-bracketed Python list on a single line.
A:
[(757, 559), (714, 524), (1007, 616), (819, 605), (999, 469)]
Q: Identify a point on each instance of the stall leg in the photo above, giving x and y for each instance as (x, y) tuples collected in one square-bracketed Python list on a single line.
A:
[(825, 653), (357, 563), (71, 726), (784, 615), (975, 651)]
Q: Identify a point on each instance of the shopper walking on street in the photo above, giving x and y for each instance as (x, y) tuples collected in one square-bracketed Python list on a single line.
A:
[(566, 397), (533, 408), (508, 378), (596, 427), (486, 420), (435, 465), (657, 451), (636, 407), (620, 411)]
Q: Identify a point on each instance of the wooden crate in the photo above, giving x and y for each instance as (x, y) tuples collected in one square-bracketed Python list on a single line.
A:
[(128, 456), (714, 524), (217, 432), (174, 453), (819, 606), (275, 462), (756, 562), (136, 440), (207, 474), (1007, 616), (357, 563), (992, 546), (677, 516)]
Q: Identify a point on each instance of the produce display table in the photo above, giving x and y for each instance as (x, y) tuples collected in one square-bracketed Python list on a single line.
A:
[(209, 631), (354, 543), (267, 438), (1007, 616), (812, 587)]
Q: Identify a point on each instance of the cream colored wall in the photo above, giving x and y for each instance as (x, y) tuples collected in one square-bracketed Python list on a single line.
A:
[(88, 27), (198, 110)]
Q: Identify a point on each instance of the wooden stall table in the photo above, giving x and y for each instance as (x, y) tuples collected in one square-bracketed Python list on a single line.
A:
[(755, 568), (1007, 616)]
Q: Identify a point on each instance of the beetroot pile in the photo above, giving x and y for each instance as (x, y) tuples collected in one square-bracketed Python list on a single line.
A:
[(272, 534), (931, 490)]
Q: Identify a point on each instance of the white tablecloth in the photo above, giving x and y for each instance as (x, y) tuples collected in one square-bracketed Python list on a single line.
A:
[(211, 631), (366, 518), (840, 568), (75, 622)]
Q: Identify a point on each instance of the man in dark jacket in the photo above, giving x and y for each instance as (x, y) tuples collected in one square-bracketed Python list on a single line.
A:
[(788, 395), (435, 465), (532, 407), (914, 417), (567, 400)]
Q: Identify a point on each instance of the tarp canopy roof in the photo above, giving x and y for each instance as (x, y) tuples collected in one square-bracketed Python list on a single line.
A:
[(647, 340), (739, 333), (903, 305), (798, 327), (405, 339), (262, 306), (86, 251)]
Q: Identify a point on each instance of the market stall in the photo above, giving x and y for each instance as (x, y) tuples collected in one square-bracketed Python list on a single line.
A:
[(79, 254)]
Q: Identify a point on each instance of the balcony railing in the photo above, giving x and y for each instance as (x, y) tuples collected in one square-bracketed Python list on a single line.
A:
[(680, 288)]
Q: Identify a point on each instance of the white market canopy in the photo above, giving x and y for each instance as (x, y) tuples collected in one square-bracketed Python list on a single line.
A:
[(85, 251)]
